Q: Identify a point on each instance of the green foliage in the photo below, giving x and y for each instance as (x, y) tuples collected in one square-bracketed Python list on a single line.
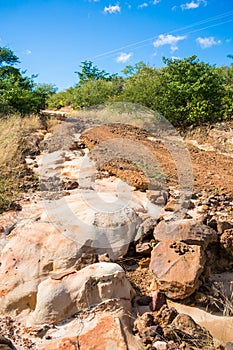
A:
[(191, 92), (95, 92), (142, 87), (7, 57), (95, 87), (185, 91), (89, 72), (130, 70), (227, 101), (19, 93), (61, 99)]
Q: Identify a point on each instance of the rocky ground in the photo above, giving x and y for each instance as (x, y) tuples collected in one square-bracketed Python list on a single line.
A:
[(127, 244)]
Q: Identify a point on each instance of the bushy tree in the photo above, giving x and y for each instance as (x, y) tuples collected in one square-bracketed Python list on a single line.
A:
[(89, 72), (227, 101), (142, 85), (19, 93), (61, 99), (191, 91), (94, 87), (185, 91), (95, 92)]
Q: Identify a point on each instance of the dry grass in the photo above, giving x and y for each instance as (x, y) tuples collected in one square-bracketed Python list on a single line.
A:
[(119, 112), (12, 131), (51, 124)]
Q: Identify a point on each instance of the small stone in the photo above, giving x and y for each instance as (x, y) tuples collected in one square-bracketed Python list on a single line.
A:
[(203, 208), (223, 225), (104, 258), (71, 185), (160, 201), (143, 248), (171, 205), (143, 263), (160, 345), (158, 300)]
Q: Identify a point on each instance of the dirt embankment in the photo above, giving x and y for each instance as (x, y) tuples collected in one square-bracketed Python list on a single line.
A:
[(211, 171)]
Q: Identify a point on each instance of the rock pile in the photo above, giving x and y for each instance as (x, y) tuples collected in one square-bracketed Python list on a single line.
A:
[(65, 260)]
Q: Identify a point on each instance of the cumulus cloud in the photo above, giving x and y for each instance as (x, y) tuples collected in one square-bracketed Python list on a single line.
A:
[(145, 4), (194, 4), (112, 9), (124, 57), (28, 52), (169, 39), (155, 2), (207, 42)]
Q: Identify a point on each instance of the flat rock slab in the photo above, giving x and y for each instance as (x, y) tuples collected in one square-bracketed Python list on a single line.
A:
[(188, 231), (177, 268), (60, 299)]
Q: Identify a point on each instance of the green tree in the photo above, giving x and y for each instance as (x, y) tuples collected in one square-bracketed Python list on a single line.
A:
[(142, 86), (191, 91), (19, 93), (130, 70), (89, 72), (227, 101), (95, 92), (7, 57)]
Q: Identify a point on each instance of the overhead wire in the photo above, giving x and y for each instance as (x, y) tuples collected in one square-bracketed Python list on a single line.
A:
[(147, 41)]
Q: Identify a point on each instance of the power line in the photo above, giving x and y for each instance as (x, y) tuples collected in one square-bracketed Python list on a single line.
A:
[(137, 45)]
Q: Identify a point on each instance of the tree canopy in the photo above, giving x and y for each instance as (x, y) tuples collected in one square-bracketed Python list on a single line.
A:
[(185, 91), (19, 93)]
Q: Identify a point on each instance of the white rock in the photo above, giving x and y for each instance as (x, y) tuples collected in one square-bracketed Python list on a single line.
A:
[(58, 299), (160, 345)]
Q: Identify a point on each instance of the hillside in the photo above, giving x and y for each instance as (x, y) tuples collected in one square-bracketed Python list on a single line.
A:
[(120, 237)]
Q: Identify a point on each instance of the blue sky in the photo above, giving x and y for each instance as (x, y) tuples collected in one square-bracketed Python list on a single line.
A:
[(52, 37)]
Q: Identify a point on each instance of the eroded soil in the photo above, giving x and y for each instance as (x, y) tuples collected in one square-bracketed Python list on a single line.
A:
[(211, 171)]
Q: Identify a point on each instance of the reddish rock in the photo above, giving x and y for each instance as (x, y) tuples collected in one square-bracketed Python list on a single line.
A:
[(177, 268), (226, 241), (158, 300), (187, 231), (62, 344), (109, 333), (223, 226)]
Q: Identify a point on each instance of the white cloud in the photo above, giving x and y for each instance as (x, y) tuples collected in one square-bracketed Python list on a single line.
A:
[(155, 2), (175, 58), (169, 39), (174, 8), (112, 9), (145, 4), (190, 5), (207, 42), (124, 57), (194, 4), (28, 52)]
